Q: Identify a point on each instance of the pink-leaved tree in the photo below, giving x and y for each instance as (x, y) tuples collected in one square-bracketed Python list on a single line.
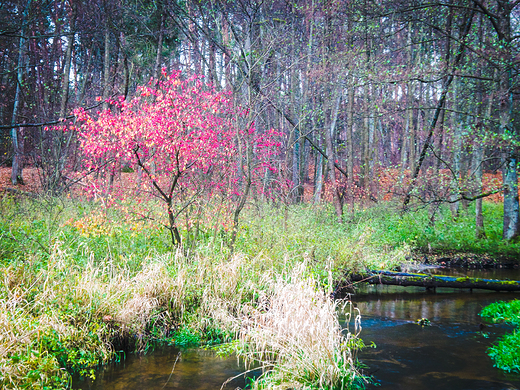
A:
[(182, 139)]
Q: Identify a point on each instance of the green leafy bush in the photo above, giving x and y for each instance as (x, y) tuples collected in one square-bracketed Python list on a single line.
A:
[(508, 312), (506, 353)]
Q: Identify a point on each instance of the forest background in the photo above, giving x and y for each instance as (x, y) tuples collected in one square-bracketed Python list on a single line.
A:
[(375, 100), (280, 144)]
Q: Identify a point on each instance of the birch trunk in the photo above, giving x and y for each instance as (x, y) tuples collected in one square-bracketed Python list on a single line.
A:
[(511, 227)]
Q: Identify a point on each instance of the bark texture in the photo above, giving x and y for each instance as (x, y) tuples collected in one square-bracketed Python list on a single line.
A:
[(433, 281)]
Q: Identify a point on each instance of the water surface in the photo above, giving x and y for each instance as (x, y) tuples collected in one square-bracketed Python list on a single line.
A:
[(450, 354), (195, 369)]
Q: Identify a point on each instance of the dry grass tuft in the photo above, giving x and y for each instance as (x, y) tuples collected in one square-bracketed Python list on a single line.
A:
[(296, 334)]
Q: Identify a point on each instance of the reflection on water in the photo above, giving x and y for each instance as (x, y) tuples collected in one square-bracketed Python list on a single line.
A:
[(449, 354), (195, 370), (483, 273)]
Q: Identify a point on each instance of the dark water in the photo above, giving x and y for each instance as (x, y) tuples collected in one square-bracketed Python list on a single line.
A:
[(491, 273), (195, 369), (450, 354)]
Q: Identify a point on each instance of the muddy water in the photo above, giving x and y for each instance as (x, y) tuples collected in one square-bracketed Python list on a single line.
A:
[(449, 354), (194, 369)]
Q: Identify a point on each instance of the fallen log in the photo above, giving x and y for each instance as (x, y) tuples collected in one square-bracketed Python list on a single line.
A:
[(433, 281)]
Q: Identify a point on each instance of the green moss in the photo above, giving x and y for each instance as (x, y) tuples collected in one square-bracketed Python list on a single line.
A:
[(509, 282), (415, 278)]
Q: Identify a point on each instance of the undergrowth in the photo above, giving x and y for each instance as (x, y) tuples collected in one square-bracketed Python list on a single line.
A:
[(506, 352), (444, 234), (81, 285)]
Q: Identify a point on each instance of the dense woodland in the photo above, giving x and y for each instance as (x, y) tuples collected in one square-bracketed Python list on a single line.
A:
[(220, 172), (422, 94)]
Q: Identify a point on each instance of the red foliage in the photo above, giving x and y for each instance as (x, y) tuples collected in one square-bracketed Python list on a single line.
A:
[(184, 140)]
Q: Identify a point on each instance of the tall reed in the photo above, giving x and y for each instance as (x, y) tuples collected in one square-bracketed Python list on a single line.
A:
[(296, 336)]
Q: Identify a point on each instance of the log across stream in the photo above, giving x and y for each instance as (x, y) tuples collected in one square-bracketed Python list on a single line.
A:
[(433, 281)]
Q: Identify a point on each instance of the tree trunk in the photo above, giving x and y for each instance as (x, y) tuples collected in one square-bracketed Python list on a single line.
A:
[(456, 156), (213, 75), (225, 55), (318, 169), (318, 182), (329, 130), (447, 56), (511, 205), (511, 227), (62, 139), (17, 167), (106, 66), (433, 281), (350, 120), (68, 59), (194, 56), (350, 146), (174, 231), (297, 153), (365, 160), (410, 98), (158, 56), (478, 146), (410, 126)]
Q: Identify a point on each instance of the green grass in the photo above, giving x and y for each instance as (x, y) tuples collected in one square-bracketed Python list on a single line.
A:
[(79, 283), (379, 236), (393, 228)]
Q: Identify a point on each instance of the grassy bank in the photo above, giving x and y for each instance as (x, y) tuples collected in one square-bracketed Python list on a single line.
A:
[(379, 230), (81, 285), (506, 352)]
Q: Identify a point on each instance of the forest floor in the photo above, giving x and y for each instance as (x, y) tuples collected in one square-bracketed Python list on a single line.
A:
[(31, 179), (386, 186), (458, 253)]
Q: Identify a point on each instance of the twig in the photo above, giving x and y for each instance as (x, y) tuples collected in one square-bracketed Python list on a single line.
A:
[(173, 368)]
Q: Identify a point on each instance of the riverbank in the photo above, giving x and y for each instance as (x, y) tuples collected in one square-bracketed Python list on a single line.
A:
[(449, 354), (81, 282), (81, 286), (468, 260)]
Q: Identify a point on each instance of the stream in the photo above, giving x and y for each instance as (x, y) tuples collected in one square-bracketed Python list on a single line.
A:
[(449, 354)]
